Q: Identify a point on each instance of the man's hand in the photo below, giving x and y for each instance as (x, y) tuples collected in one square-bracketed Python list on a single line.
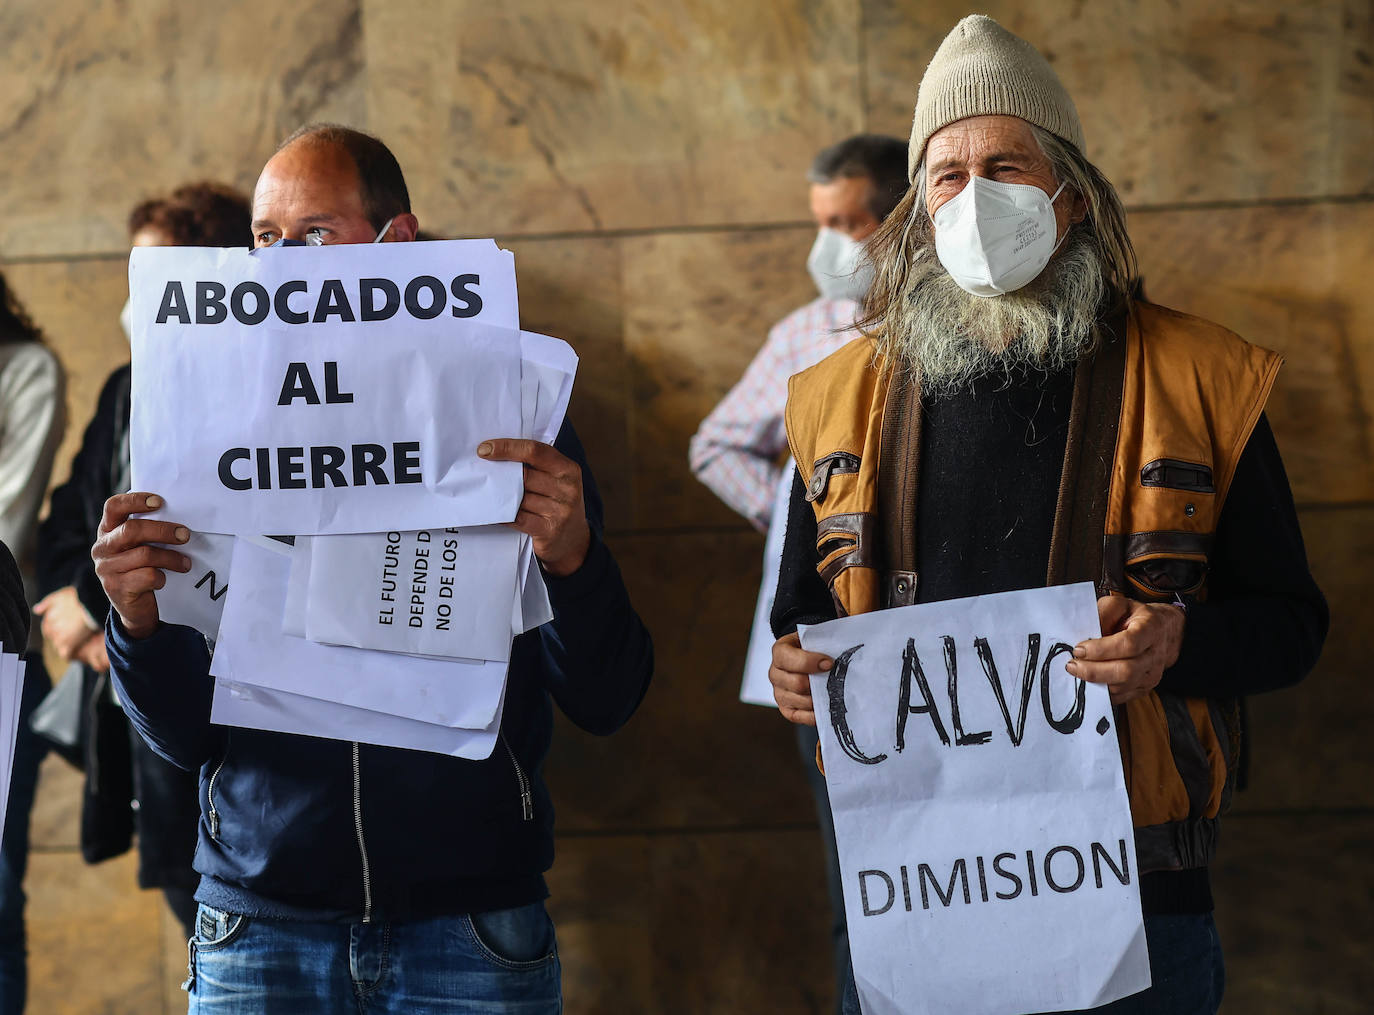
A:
[(1142, 640), (66, 624), (130, 568), (552, 512), (93, 653), (790, 675)]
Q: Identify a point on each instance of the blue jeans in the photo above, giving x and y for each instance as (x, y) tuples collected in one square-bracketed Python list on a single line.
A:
[(489, 963), (1186, 970), (29, 749)]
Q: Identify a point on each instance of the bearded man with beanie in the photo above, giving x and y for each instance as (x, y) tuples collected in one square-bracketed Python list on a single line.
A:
[(1016, 417)]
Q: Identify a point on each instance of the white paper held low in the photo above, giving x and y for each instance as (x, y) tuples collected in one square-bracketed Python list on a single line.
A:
[(984, 832)]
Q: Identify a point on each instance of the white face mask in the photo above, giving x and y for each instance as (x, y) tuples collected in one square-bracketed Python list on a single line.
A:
[(994, 238), (837, 266)]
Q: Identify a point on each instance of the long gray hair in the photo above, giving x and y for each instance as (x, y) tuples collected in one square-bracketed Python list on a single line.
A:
[(908, 235)]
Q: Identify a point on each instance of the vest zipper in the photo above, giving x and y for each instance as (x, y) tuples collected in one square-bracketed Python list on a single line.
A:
[(526, 798), (358, 826), (213, 815)]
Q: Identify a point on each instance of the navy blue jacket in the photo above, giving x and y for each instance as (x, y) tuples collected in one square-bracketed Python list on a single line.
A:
[(305, 828)]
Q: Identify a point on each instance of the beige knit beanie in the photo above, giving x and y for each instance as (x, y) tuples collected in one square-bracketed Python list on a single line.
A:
[(981, 69)]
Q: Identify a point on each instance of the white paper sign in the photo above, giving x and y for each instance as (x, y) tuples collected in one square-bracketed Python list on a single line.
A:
[(984, 832), (11, 695), (325, 390), (435, 592), (438, 592), (533, 608), (756, 688), (252, 649), (197, 597), (262, 708)]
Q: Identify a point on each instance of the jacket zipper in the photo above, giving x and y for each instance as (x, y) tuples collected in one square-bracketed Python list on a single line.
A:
[(210, 791), (362, 843), (526, 799)]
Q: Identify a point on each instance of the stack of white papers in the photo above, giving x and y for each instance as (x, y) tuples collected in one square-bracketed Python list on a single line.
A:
[(398, 638), (11, 691), (339, 395)]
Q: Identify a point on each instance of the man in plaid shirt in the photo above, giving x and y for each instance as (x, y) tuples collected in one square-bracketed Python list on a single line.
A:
[(854, 184), (736, 450)]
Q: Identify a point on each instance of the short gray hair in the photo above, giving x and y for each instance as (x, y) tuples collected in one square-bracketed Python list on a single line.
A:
[(875, 157)]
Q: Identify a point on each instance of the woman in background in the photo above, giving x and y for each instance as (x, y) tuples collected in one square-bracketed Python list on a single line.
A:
[(127, 785), (32, 419)]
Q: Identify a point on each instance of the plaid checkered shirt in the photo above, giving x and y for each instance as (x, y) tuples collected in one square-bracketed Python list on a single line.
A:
[(736, 449)]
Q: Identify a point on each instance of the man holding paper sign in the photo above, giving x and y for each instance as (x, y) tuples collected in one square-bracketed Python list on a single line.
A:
[(334, 871), (1020, 417)]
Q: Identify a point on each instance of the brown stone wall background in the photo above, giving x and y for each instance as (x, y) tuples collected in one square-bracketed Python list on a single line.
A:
[(645, 161)]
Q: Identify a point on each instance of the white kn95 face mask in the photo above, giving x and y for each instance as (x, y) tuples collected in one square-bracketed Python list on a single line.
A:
[(837, 266), (994, 238)]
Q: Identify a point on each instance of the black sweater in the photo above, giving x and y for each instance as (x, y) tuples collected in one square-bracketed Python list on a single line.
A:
[(991, 458)]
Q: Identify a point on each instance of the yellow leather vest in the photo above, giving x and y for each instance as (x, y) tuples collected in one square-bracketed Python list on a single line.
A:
[(1161, 414)]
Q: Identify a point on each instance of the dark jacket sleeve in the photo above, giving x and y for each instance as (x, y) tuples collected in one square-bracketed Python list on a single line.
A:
[(802, 597), (66, 535), (14, 611), (598, 654), (164, 684), (1264, 620)]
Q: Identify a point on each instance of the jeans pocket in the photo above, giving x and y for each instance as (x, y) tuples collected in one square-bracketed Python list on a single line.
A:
[(216, 929), (519, 938)]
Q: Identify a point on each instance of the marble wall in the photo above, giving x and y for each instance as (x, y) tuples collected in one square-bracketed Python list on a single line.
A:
[(645, 161)]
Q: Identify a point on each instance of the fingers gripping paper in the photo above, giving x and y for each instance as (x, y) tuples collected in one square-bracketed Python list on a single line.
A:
[(984, 832), (322, 390)]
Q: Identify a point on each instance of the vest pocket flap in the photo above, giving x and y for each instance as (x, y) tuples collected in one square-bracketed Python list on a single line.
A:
[(1166, 563), (837, 463), (1175, 474)]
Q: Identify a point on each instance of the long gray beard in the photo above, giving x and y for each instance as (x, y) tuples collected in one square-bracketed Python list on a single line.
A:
[(947, 337)]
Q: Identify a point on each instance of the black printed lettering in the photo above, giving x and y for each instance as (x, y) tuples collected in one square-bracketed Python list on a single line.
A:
[(839, 719), (1074, 717), (173, 304), (324, 464), (1049, 869), (438, 297), (911, 667), (863, 892), (367, 463), (226, 469), (465, 292), (333, 302), (282, 302), (291, 468), (298, 384), (262, 303), (210, 308), (367, 290), (961, 739)]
